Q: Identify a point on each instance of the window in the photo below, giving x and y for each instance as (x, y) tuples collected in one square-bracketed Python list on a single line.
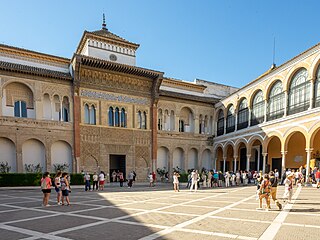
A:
[(86, 114), (276, 102), (20, 109), (317, 89), (139, 120), (117, 118), (144, 121), (123, 118), (257, 114), (159, 119), (201, 124), (220, 124), (93, 115), (111, 117), (65, 114), (230, 120), (299, 92), (181, 126), (243, 114)]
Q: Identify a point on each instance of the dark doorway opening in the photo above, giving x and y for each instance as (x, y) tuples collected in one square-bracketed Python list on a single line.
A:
[(117, 162), (243, 159), (227, 166), (276, 164)]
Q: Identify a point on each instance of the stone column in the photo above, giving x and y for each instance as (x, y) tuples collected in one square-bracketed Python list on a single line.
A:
[(224, 125), (311, 93), (61, 117), (285, 103), (53, 105), (224, 164), (235, 163), (248, 162), (176, 128), (264, 162), (283, 163), (265, 110), (249, 117), (235, 121), (215, 163), (154, 129), (309, 151), (19, 162)]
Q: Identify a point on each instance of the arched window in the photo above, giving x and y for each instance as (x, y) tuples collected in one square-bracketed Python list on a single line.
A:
[(93, 115), (243, 114), (299, 92), (159, 119), (86, 114), (111, 117), (20, 109), (230, 120), (117, 117), (220, 123), (144, 120), (65, 109), (181, 125), (257, 114), (123, 118), (201, 124), (139, 120), (276, 102), (317, 89)]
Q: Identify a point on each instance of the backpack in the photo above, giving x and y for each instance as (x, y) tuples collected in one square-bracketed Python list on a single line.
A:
[(266, 187), (44, 184)]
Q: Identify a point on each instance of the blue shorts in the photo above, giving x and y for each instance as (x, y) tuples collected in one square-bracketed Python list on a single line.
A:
[(65, 193), (57, 189)]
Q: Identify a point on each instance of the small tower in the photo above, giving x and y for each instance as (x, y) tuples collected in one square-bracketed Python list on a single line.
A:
[(105, 45)]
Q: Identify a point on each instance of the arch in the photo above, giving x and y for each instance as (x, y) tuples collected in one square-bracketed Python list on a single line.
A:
[(65, 111), (316, 89), (123, 120), (254, 138), (33, 152), (276, 101), (111, 117), (47, 110), (274, 148), (206, 159), (293, 71), (193, 158), (144, 120), (86, 114), (272, 134), (8, 153), (288, 134), (257, 112), (219, 154), (243, 113), (313, 131), (61, 153), (313, 70), (295, 144), (56, 108), (271, 84), (163, 158), (160, 121), (178, 158), (172, 120), (140, 120), (186, 117), (238, 143), (117, 117), (230, 122), (220, 123)]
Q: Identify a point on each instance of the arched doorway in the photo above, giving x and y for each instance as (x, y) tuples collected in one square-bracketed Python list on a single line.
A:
[(206, 159), (178, 158), (193, 159), (274, 154), (230, 157), (33, 153), (242, 153), (315, 143), (61, 154), (296, 147), (163, 158), (8, 153), (219, 159), (256, 161)]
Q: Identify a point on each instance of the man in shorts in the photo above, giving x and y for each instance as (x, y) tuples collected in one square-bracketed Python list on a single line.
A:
[(101, 181), (318, 178)]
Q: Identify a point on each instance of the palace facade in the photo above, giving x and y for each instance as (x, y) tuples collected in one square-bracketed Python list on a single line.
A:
[(99, 111)]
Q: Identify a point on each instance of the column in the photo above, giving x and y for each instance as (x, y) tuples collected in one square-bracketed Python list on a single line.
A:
[(265, 110), (235, 163), (215, 164), (249, 117), (52, 108), (224, 164), (162, 122), (285, 103), (61, 118), (283, 163), (235, 121), (311, 93), (309, 151), (114, 117), (224, 125), (264, 162), (248, 162)]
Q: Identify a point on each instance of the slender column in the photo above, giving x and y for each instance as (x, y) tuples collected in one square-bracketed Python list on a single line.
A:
[(264, 162), (235, 163), (249, 117), (248, 162), (114, 117), (283, 163), (311, 93), (215, 164), (53, 105), (265, 110), (61, 118), (236, 121), (285, 103), (162, 122), (224, 164), (224, 125), (309, 151)]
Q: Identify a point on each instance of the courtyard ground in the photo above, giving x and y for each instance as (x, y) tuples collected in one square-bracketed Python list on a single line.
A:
[(157, 213)]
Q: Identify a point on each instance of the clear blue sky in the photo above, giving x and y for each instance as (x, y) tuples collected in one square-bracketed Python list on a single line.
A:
[(228, 42)]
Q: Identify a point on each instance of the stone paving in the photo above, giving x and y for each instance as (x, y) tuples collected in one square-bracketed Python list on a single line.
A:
[(158, 213)]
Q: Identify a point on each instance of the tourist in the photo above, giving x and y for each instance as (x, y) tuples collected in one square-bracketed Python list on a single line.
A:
[(176, 181), (189, 179), (194, 180), (134, 176), (150, 180), (288, 187), (220, 178), (95, 181), (166, 175), (318, 178), (121, 178), (276, 175), (245, 178), (204, 179), (46, 188), (273, 189), (255, 176), (130, 178), (233, 179), (238, 178), (87, 181), (65, 187), (154, 178), (227, 179), (209, 180), (57, 186), (264, 192), (101, 181), (215, 179), (114, 176)]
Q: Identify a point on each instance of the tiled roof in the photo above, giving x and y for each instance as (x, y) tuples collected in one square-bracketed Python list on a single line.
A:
[(107, 33), (19, 68)]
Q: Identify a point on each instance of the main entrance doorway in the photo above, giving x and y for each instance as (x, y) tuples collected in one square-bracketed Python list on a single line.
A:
[(117, 163)]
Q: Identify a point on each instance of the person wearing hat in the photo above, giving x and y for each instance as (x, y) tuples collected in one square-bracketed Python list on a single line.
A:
[(288, 187)]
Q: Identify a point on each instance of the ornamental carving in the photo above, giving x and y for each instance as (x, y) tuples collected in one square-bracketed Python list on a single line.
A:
[(56, 89)]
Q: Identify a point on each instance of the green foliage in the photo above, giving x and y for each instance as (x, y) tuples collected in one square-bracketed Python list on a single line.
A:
[(60, 167), (31, 179), (30, 168), (183, 177), (4, 167), (161, 172)]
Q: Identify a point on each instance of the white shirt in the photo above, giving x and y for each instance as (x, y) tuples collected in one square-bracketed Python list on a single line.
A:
[(101, 177), (175, 179)]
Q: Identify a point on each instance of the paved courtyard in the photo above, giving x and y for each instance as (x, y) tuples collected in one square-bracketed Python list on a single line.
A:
[(158, 213)]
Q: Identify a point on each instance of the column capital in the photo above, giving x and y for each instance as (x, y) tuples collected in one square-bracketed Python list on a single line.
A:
[(284, 152), (264, 154), (248, 155), (235, 157), (224, 158), (309, 150)]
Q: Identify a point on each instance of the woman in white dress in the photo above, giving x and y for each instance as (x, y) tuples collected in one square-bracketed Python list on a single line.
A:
[(176, 181)]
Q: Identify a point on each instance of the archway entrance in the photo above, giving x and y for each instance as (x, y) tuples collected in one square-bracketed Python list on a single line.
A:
[(117, 162), (243, 156), (256, 162), (274, 154)]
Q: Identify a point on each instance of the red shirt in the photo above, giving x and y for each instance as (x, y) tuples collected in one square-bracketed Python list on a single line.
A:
[(318, 174)]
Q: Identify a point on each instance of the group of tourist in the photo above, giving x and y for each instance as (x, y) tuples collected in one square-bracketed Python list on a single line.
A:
[(97, 181), (61, 185)]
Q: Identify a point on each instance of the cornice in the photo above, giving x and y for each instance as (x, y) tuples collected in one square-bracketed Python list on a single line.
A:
[(207, 100), (183, 85)]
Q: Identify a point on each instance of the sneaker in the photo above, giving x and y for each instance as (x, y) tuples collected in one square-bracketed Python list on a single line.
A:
[(59, 203), (48, 205)]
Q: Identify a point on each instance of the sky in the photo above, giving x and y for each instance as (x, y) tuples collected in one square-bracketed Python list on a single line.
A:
[(228, 42)]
